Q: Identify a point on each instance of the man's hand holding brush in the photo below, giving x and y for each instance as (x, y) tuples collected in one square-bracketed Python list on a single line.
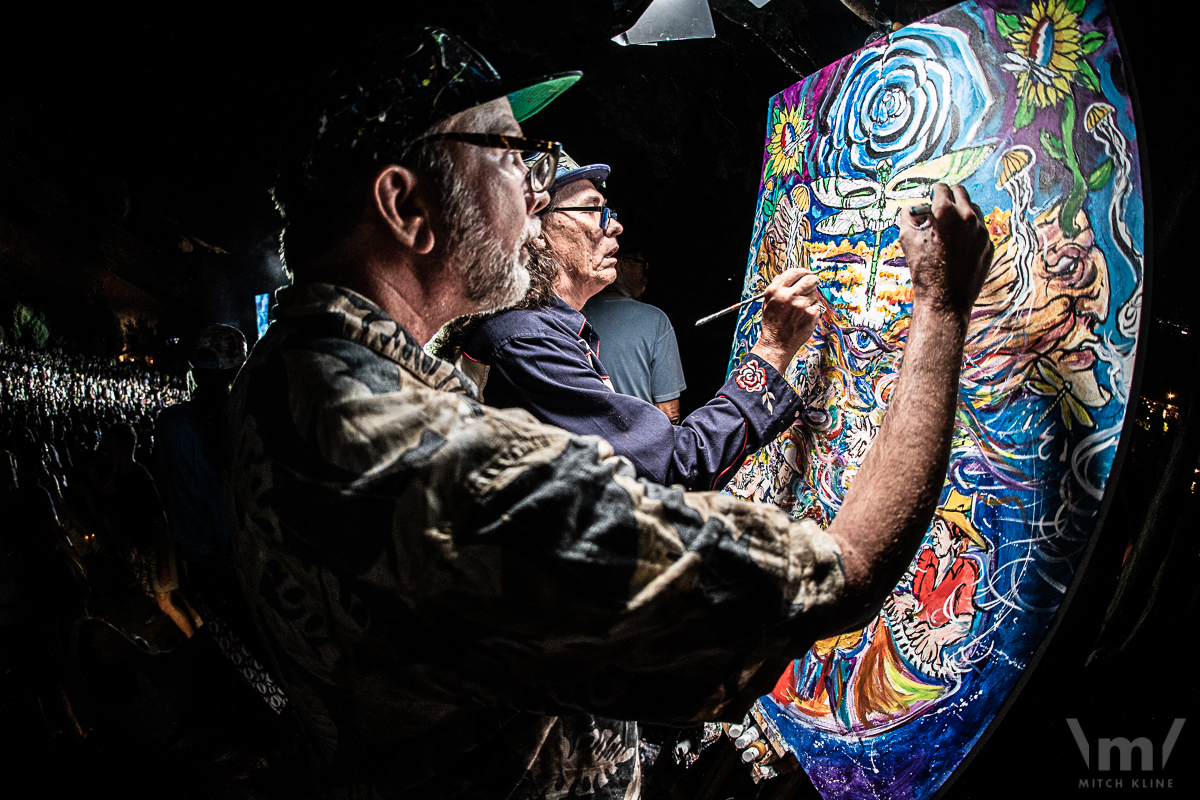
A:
[(792, 304)]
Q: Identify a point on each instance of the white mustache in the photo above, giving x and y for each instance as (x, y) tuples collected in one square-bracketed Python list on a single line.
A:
[(533, 229)]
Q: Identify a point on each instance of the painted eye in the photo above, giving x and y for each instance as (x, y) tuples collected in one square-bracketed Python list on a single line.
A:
[(1072, 264), (909, 184)]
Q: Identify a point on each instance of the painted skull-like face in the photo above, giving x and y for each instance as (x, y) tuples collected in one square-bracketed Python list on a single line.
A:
[(845, 273)]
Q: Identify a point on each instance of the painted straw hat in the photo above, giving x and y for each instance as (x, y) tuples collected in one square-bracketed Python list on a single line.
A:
[(958, 510)]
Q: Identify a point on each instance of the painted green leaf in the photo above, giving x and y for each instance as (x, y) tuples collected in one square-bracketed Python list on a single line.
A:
[(1053, 145), (964, 163), (1024, 114), (917, 180), (1091, 41), (1100, 176), (1007, 24), (1076, 6), (1086, 76)]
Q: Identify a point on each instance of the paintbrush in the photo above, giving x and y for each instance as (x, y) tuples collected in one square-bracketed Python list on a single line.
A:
[(733, 307), (749, 300)]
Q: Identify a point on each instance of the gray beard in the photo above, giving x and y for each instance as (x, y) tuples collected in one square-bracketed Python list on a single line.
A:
[(492, 278)]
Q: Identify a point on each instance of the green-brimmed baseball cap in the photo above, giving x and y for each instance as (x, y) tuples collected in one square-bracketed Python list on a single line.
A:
[(373, 109)]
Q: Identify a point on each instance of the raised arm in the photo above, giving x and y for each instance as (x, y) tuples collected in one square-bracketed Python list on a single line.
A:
[(887, 510)]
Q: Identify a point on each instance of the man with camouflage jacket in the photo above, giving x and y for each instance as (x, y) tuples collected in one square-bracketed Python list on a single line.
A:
[(438, 580)]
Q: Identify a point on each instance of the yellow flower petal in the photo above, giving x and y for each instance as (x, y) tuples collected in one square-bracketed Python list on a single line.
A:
[(1063, 64)]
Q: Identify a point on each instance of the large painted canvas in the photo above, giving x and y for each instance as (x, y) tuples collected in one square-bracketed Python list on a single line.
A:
[(1026, 104)]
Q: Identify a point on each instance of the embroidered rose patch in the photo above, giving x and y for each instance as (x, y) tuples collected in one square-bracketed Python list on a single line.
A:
[(751, 377)]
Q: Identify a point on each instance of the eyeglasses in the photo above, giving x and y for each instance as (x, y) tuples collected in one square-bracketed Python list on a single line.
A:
[(607, 215), (542, 158)]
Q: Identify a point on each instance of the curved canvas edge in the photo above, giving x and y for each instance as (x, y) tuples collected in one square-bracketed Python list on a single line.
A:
[(1114, 477)]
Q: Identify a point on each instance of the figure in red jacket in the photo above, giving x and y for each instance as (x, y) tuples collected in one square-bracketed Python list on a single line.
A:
[(941, 608)]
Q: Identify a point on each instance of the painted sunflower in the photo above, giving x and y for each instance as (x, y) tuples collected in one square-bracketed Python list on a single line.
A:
[(1047, 51), (788, 133)]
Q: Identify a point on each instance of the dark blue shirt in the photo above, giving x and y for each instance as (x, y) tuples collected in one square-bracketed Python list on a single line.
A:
[(547, 361)]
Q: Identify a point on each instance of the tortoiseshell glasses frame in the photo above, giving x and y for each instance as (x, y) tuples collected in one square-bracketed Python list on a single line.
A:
[(542, 160)]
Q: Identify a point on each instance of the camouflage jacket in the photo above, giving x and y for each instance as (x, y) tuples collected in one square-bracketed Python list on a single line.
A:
[(439, 580)]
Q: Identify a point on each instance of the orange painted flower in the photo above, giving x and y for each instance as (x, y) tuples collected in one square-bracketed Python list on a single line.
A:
[(999, 223)]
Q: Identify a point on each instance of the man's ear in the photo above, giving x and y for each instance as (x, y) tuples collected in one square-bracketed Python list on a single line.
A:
[(404, 208)]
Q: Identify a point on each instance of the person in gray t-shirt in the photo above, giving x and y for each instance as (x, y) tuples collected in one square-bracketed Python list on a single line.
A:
[(637, 340)]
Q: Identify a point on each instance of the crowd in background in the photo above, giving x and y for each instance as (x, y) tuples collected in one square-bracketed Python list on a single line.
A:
[(62, 402), (98, 616)]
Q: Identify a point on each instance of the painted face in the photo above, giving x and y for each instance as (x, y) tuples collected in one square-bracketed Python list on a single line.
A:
[(783, 241), (1013, 341), (587, 254), (943, 538), (1070, 276), (845, 273)]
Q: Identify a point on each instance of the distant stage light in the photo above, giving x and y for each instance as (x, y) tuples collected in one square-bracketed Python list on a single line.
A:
[(654, 21), (262, 311)]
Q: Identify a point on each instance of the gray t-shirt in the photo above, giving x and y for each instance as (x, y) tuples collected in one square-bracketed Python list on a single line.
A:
[(637, 345)]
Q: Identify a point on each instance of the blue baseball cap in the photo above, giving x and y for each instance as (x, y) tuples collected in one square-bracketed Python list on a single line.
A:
[(569, 171)]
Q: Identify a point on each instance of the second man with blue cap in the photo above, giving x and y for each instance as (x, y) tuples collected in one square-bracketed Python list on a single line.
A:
[(545, 357)]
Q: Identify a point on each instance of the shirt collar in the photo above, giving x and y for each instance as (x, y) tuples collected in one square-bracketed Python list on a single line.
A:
[(575, 320), (365, 323)]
